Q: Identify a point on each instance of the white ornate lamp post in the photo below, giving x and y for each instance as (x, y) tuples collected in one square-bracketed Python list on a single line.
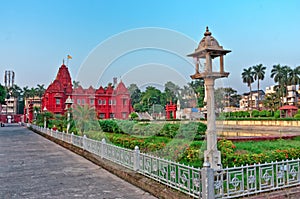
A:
[(68, 103), (35, 116), (45, 119), (209, 49)]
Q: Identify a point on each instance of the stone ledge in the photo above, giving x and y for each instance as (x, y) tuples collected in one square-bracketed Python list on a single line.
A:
[(147, 184), (290, 193)]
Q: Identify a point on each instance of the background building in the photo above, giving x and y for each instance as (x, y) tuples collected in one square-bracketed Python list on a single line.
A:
[(109, 102), (251, 100)]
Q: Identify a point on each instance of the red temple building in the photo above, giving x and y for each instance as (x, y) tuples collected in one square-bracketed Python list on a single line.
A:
[(171, 109), (109, 102)]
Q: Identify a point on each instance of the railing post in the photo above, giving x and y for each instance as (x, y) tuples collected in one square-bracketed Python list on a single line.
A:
[(72, 134), (102, 148), (207, 175), (84, 142), (51, 132), (136, 158)]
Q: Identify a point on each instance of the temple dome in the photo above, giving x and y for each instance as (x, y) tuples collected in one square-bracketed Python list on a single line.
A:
[(208, 41)]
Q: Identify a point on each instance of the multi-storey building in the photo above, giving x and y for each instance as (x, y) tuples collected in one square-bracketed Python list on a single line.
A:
[(251, 100), (10, 106), (109, 102), (292, 96)]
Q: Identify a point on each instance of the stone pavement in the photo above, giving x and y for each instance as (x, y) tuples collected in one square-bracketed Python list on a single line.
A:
[(34, 167)]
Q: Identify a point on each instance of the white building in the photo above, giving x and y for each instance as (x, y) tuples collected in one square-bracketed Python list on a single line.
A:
[(292, 96), (270, 89), (253, 100), (10, 106)]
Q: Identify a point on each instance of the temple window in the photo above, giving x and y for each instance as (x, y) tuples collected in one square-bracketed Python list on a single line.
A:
[(57, 101), (102, 115), (92, 101)]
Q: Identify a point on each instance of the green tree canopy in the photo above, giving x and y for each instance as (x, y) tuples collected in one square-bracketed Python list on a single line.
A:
[(135, 94), (2, 94)]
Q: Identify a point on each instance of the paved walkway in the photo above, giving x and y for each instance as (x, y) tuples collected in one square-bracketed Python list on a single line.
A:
[(34, 167)]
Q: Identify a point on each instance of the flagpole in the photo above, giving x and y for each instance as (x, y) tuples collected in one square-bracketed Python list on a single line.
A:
[(68, 61), (68, 58)]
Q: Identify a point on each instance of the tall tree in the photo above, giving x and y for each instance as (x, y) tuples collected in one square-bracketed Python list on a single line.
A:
[(225, 97), (171, 91), (277, 75), (40, 90), (152, 96), (26, 92), (199, 90), (2, 94), (135, 94), (32, 92), (271, 102), (247, 76), (281, 76), (75, 84), (294, 76), (259, 74)]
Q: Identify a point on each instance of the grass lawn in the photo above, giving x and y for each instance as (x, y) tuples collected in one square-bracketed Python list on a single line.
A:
[(264, 146)]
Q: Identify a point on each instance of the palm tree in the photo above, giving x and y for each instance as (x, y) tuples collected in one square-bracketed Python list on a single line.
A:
[(277, 74), (75, 84), (84, 116), (26, 93), (247, 76), (259, 74), (294, 74), (40, 91)]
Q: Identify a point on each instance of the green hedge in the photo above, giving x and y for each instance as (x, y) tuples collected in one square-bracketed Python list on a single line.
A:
[(255, 115), (191, 130)]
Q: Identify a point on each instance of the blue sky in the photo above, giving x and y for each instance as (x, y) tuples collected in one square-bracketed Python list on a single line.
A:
[(36, 35)]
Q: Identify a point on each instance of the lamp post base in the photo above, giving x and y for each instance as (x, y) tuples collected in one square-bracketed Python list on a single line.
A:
[(214, 158)]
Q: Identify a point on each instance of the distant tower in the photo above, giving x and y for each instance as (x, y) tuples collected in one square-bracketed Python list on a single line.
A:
[(9, 78), (115, 81)]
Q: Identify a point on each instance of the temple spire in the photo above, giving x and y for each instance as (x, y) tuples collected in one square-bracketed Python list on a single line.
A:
[(207, 33)]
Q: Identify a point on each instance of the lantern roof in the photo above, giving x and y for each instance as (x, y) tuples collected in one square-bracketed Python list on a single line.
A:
[(209, 44)]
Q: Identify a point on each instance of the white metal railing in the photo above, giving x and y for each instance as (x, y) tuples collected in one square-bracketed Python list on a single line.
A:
[(252, 179), (199, 183)]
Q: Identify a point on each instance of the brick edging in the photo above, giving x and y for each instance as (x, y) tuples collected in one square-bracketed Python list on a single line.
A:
[(147, 184)]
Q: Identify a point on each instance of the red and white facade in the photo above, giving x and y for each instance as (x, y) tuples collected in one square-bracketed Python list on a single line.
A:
[(109, 102)]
